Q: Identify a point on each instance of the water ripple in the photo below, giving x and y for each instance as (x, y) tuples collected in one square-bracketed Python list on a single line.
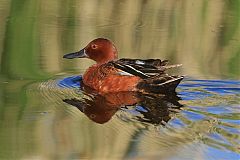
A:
[(209, 116), (216, 100)]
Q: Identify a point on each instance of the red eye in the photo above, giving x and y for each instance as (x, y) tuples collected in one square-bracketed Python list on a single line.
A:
[(94, 46)]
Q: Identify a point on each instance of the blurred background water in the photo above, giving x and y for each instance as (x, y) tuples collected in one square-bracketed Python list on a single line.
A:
[(202, 35)]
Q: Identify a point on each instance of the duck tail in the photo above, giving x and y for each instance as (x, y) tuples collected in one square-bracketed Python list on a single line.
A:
[(160, 84)]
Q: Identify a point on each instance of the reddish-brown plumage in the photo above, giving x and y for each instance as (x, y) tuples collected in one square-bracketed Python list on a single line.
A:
[(101, 50), (112, 75), (105, 79)]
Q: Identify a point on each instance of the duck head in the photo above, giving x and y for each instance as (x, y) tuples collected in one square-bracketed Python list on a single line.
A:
[(100, 50)]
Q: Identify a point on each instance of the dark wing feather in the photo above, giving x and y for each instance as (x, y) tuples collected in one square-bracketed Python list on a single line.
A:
[(143, 68), (152, 72), (130, 69)]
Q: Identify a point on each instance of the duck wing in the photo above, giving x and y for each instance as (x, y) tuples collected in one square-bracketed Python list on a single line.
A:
[(143, 68), (152, 72)]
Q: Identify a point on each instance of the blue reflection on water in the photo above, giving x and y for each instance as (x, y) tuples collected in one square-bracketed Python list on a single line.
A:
[(216, 86), (70, 82), (192, 115), (218, 100), (214, 154)]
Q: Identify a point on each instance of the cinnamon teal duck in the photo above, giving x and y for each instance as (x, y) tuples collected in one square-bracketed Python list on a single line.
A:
[(110, 74)]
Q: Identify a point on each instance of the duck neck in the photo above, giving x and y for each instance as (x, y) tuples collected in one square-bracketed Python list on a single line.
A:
[(107, 58)]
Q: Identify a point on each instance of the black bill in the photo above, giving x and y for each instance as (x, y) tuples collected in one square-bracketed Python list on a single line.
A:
[(79, 54)]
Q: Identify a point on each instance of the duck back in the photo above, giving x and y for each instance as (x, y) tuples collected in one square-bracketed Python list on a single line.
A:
[(152, 72)]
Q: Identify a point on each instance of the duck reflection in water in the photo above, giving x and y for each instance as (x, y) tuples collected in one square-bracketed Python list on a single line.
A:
[(151, 108)]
